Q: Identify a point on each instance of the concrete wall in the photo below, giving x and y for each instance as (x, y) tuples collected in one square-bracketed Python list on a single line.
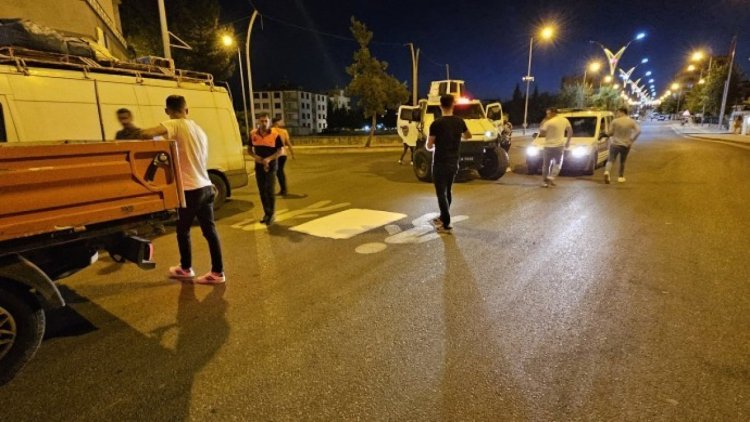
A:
[(75, 18)]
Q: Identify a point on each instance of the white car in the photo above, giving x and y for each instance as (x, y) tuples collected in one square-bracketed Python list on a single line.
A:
[(589, 147)]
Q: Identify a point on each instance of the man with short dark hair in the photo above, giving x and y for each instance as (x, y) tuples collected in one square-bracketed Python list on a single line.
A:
[(265, 148), (279, 126), (445, 139), (623, 131), (129, 130), (192, 149), (557, 134)]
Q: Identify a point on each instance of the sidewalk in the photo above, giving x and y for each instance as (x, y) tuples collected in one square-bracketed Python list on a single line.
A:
[(711, 133)]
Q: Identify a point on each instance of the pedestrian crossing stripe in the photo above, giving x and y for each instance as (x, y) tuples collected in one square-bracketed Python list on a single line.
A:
[(347, 224)]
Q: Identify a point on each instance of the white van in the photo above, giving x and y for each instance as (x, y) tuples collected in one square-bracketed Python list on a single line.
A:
[(589, 147), (52, 97)]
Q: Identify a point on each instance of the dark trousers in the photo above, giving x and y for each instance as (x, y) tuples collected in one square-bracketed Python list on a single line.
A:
[(615, 151), (407, 148), (266, 185), (443, 176), (280, 174), (200, 204)]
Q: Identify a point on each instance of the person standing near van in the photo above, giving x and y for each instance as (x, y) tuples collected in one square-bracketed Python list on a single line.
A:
[(265, 148), (279, 126), (557, 133), (445, 139), (129, 130), (192, 150), (623, 131)]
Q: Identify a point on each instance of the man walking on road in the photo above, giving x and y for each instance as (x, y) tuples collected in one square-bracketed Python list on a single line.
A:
[(278, 126), (192, 147), (445, 139), (265, 148), (622, 133), (557, 133)]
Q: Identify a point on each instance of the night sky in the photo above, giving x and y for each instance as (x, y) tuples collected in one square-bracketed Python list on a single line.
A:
[(485, 42)]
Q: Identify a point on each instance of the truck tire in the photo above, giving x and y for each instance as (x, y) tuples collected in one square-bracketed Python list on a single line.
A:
[(423, 165), (21, 331), (494, 164), (221, 190)]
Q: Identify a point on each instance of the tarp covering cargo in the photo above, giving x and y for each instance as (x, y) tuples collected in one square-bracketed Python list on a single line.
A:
[(27, 34)]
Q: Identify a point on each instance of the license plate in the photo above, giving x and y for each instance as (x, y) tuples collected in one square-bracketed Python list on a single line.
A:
[(467, 158)]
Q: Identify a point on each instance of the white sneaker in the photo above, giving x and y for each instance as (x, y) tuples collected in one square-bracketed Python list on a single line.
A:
[(620, 180), (211, 278), (606, 177), (178, 273)]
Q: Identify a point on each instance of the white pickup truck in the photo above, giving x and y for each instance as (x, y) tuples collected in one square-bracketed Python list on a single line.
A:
[(481, 153)]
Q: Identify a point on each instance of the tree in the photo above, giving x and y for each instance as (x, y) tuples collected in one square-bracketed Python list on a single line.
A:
[(607, 98), (194, 21), (575, 96), (375, 89)]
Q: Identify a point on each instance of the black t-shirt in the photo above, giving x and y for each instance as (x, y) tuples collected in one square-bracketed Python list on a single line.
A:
[(447, 131), (128, 133)]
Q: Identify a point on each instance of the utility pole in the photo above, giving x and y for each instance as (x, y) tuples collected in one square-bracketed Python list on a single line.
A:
[(414, 73), (447, 71), (729, 79), (164, 30), (528, 79), (249, 69)]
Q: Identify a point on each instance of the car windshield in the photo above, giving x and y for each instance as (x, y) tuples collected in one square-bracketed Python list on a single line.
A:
[(583, 127), (464, 111)]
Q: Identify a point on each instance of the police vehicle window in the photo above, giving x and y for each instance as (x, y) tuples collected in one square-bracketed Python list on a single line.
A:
[(583, 126), (443, 89), (468, 111), (3, 135), (405, 114)]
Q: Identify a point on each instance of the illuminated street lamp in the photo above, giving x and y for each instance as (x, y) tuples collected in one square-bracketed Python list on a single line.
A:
[(545, 34), (228, 41), (608, 79), (593, 67), (691, 68), (614, 58)]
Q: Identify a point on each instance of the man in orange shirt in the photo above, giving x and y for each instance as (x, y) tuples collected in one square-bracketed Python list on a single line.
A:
[(278, 126), (265, 148)]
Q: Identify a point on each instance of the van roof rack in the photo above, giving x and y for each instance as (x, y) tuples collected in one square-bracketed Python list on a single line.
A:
[(24, 58), (576, 110)]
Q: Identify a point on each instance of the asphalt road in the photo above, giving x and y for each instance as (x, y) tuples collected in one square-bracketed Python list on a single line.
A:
[(581, 302)]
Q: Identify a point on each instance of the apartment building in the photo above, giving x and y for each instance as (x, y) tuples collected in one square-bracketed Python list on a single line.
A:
[(305, 113)]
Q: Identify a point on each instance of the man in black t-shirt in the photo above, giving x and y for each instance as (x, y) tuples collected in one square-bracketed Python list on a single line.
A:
[(445, 139)]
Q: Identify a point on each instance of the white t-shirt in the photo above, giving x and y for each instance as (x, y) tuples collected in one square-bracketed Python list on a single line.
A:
[(554, 130), (192, 149)]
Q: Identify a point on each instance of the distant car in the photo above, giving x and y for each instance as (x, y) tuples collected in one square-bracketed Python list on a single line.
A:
[(661, 118), (589, 147)]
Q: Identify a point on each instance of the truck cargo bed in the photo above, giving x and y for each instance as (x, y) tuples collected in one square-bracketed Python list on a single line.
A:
[(45, 188)]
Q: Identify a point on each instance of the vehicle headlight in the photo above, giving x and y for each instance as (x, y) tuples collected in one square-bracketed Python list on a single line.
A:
[(489, 134), (532, 151), (579, 152)]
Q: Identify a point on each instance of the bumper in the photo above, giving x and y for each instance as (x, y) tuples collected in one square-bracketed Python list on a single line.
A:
[(236, 178)]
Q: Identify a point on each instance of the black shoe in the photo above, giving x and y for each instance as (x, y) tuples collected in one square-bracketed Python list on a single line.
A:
[(264, 220), (269, 220), (282, 193)]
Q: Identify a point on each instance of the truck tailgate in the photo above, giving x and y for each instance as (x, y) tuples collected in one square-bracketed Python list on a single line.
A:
[(51, 187)]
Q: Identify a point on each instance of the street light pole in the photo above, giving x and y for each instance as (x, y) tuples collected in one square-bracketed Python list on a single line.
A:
[(249, 68), (244, 95), (164, 30), (447, 71), (414, 73), (528, 80), (727, 82)]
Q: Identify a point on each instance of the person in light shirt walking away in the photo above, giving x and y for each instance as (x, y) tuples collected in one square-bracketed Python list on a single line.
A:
[(622, 133), (192, 151), (557, 133)]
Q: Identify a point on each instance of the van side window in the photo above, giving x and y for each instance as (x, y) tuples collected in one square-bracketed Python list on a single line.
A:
[(3, 135)]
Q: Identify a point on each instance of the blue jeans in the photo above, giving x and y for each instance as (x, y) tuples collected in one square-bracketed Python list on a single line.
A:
[(552, 158), (615, 151)]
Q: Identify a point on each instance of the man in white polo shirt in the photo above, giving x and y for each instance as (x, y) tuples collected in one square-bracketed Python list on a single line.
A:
[(557, 133)]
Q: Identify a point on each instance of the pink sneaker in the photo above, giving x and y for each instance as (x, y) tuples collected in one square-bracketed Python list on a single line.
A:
[(211, 278), (178, 273)]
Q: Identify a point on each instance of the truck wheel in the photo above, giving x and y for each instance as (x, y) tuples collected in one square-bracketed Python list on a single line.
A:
[(494, 164), (532, 167), (21, 332), (221, 190), (423, 165)]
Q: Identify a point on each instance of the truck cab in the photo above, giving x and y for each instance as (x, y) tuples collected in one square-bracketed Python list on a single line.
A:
[(481, 153)]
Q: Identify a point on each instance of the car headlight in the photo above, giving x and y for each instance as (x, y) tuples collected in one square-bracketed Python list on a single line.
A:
[(532, 151), (579, 152), (489, 134)]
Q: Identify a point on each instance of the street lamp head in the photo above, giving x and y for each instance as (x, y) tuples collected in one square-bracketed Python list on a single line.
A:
[(702, 81), (698, 56), (650, 81), (608, 79), (595, 67), (227, 40), (640, 36), (547, 33), (691, 68), (644, 61), (675, 86), (616, 86), (648, 73)]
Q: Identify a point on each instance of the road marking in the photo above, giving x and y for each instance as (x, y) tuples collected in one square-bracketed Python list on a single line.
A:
[(311, 211), (347, 224), (421, 232)]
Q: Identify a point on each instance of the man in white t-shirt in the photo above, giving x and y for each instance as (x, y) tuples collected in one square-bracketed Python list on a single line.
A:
[(557, 133), (192, 151)]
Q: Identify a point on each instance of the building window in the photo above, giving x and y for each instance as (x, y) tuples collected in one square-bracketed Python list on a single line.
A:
[(277, 105), (276, 95), (257, 105), (265, 95), (256, 95)]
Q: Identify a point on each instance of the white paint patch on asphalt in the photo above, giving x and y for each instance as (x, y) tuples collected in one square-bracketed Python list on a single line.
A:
[(310, 211), (370, 248), (420, 233), (347, 224)]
